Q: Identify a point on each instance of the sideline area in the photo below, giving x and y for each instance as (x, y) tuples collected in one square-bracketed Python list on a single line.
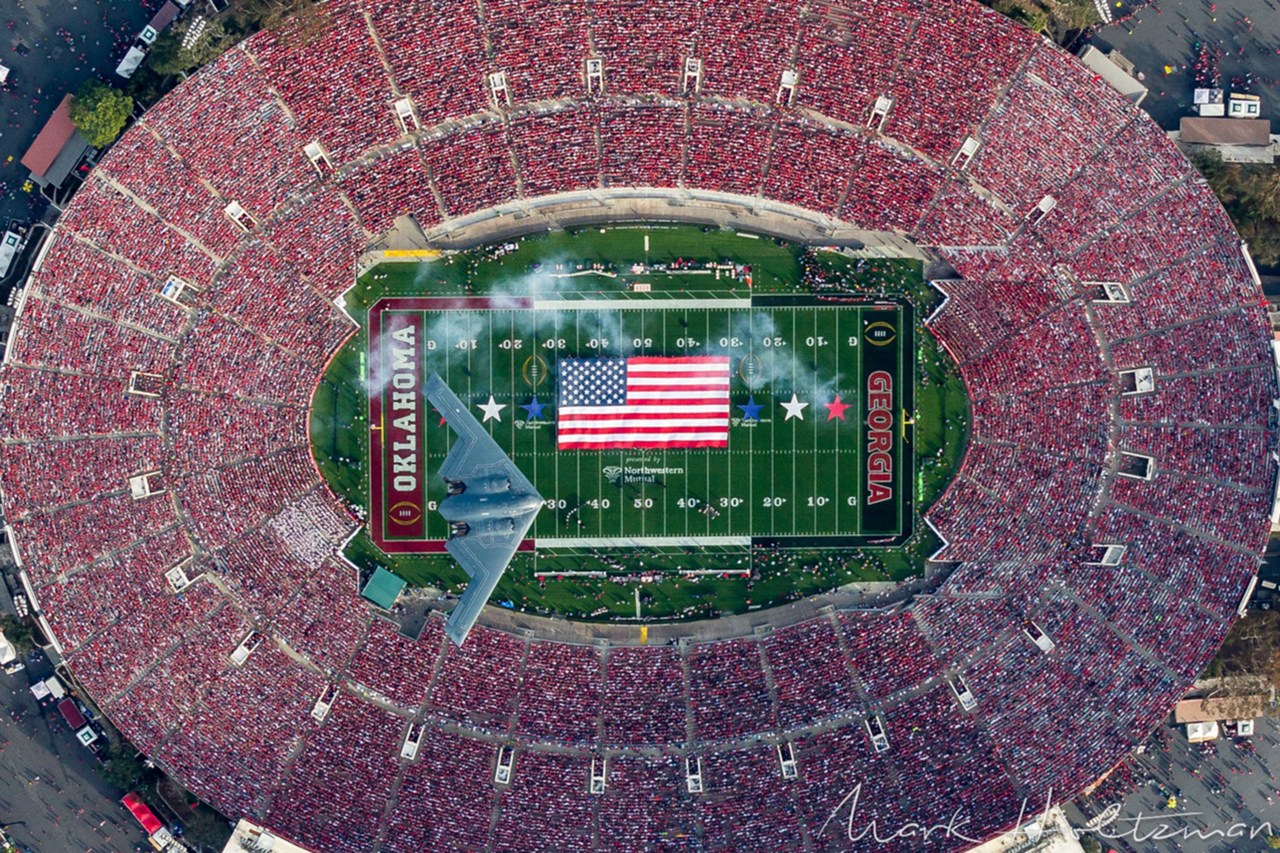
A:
[(621, 281)]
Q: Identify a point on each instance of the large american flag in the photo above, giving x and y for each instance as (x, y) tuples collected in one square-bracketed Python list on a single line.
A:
[(643, 401)]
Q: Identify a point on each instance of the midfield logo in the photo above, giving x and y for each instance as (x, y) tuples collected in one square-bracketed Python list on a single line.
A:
[(880, 333), (618, 475)]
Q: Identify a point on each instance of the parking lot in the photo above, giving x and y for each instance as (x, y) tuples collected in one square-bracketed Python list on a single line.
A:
[(1244, 34), (50, 794), (51, 47), (1225, 792)]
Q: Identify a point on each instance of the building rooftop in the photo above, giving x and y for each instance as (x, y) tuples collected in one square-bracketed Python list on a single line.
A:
[(1197, 130), (383, 588), (1221, 708), (57, 148), (53, 137)]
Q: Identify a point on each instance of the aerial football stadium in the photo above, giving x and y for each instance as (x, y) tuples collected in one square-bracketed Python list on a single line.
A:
[(558, 426)]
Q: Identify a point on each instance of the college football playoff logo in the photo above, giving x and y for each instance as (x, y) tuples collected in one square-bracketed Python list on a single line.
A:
[(880, 333), (405, 513)]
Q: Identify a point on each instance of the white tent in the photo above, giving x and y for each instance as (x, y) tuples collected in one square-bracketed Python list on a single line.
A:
[(130, 63), (8, 654)]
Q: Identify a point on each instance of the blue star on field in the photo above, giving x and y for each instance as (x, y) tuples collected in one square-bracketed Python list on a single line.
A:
[(534, 408), (751, 410)]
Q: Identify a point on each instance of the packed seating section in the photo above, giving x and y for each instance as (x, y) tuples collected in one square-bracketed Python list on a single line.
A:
[(337, 789), (332, 80), (391, 186), (557, 152), (235, 134), (560, 693), (395, 667), (144, 167), (78, 275), (236, 368), (443, 73), (56, 337)]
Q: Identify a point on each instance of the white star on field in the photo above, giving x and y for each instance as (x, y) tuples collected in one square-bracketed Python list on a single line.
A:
[(795, 409), (491, 410)]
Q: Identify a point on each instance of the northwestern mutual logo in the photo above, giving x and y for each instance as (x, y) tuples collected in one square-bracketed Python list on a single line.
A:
[(619, 475)]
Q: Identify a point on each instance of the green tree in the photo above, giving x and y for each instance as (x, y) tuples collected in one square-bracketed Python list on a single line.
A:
[(1247, 663), (1033, 18), (1068, 18), (207, 828), (1273, 841), (177, 52), (1061, 20), (122, 769), (1251, 195), (310, 18), (100, 112), (18, 631)]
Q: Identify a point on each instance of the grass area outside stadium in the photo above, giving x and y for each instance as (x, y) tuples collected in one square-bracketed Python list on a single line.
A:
[(489, 351)]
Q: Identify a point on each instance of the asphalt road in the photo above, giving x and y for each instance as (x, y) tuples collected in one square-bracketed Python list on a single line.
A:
[(1226, 791), (48, 782), (51, 47), (1245, 32)]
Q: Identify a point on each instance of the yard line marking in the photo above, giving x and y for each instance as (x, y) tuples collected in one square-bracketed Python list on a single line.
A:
[(861, 462)]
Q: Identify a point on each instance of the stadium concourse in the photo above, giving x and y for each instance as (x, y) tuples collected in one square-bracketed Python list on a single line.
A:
[(1105, 526)]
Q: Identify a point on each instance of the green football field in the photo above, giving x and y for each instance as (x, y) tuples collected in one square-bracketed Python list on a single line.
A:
[(781, 477), (779, 513)]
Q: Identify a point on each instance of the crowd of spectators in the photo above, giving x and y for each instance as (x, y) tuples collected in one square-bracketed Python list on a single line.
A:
[(347, 112), (446, 797), (221, 357), (263, 290), (234, 744), (319, 235), (932, 110), (259, 567), (811, 165), (644, 696), (811, 674), (637, 143), (1025, 153), (890, 189), (204, 434), (545, 802), (336, 792), (233, 132), (327, 628), (727, 690), (560, 693), (102, 467), (110, 220), (558, 152), (78, 275), (727, 148), (887, 650), (472, 170), (222, 503), (58, 337), (149, 172), (540, 46), (454, 85), (396, 668), (392, 185), (239, 499)]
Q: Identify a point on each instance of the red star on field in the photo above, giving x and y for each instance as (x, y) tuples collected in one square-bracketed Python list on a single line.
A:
[(836, 409)]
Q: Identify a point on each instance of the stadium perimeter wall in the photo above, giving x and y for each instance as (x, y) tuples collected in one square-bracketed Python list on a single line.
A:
[(612, 207)]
